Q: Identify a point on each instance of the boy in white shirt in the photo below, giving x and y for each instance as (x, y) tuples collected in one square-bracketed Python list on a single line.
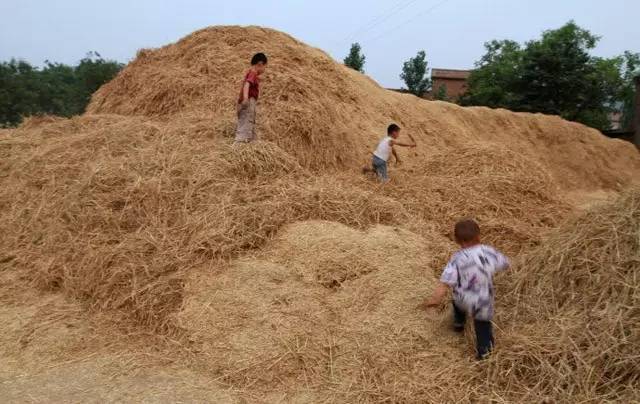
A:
[(470, 274), (384, 150)]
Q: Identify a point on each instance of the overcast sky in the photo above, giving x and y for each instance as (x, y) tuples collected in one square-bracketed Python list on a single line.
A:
[(452, 32)]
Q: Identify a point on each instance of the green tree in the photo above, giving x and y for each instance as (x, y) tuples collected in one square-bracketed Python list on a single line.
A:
[(629, 67), (92, 72), (414, 74), (555, 74), (441, 93), (19, 91), (56, 89), (492, 82), (355, 59)]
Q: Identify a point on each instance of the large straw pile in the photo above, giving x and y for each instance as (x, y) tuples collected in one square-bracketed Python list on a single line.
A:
[(319, 311), (574, 311), (119, 208), (276, 266), (328, 115)]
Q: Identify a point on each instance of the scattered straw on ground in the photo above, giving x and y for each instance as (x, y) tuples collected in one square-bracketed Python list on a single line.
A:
[(142, 213)]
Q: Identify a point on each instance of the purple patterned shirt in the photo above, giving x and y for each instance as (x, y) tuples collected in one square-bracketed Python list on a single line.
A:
[(470, 274)]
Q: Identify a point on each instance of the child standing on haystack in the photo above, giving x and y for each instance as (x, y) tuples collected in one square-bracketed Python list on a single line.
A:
[(470, 274), (384, 150), (248, 99)]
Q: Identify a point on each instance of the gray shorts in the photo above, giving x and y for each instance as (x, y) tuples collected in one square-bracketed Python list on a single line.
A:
[(246, 130), (380, 167)]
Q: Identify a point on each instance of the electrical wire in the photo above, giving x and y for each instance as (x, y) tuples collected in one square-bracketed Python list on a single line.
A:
[(410, 20), (398, 7)]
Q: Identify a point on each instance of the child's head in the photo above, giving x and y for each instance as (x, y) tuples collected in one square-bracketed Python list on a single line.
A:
[(467, 232), (259, 62), (393, 130)]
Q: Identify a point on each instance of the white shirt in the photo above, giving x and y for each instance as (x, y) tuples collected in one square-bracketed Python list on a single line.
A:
[(470, 274), (383, 151)]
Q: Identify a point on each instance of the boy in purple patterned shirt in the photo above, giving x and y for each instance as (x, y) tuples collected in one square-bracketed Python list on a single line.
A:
[(470, 274)]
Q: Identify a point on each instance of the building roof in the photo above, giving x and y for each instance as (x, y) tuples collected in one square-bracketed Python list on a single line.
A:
[(450, 74)]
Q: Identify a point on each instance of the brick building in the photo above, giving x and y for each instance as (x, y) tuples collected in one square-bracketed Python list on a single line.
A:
[(453, 81)]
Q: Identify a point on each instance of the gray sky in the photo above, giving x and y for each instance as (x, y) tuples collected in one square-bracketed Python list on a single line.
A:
[(452, 32)]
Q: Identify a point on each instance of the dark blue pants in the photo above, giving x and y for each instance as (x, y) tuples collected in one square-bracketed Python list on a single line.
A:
[(484, 332)]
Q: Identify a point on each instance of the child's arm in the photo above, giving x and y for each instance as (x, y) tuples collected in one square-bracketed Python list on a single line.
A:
[(245, 92), (393, 150), (437, 296), (500, 262), (412, 144)]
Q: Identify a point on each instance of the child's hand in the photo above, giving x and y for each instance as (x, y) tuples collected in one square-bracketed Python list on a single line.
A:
[(431, 302)]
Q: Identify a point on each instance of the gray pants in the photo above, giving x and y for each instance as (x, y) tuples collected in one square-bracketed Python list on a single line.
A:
[(245, 132), (380, 167)]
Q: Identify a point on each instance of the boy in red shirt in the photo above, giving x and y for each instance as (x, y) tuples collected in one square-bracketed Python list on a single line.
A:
[(248, 99)]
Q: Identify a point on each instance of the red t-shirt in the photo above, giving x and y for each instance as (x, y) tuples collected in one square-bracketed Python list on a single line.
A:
[(254, 85)]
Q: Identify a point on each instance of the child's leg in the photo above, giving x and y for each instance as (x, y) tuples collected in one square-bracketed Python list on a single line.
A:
[(384, 176), (244, 128), (381, 170), (484, 338), (380, 167), (370, 168), (253, 109), (459, 318)]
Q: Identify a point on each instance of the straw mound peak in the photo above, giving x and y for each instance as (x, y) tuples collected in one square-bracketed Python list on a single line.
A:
[(275, 271), (327, 115)]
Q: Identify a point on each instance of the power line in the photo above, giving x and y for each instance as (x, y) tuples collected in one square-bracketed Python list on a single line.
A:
[(410, 20), (401, 5), (375, 20)]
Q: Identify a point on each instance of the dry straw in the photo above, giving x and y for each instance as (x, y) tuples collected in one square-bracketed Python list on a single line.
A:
[(142, 207), (574, 310)]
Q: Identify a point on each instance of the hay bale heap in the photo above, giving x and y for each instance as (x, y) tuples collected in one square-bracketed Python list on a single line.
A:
[(574, 311), (321, 309), (329, 116), (140, 209)]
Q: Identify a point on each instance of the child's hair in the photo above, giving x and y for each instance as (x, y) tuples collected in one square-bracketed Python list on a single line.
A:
[(257, 58), (392, 128), (466, 230)]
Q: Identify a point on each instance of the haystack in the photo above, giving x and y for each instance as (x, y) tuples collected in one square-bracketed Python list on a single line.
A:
[(582, 342), (328, 116), (318, 306), (277, 264), (118, 209)]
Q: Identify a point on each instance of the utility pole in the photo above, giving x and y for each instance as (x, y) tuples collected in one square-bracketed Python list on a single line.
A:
[(636, 114)]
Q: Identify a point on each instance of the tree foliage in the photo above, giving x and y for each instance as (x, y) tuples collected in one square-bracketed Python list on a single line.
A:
[(56, 88), (629, 66), (441, 93), (555, 74), (355, 59), (414, 74)]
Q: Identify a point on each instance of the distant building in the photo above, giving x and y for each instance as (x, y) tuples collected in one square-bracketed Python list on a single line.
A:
[(452, 82), (448, 82)]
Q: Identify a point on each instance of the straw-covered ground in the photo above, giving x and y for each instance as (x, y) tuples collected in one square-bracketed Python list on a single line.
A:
[(145, 257)]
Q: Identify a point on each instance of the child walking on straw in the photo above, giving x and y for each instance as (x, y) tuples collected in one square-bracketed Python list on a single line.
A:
[(384, 150), (470, 274), (248, 99)]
